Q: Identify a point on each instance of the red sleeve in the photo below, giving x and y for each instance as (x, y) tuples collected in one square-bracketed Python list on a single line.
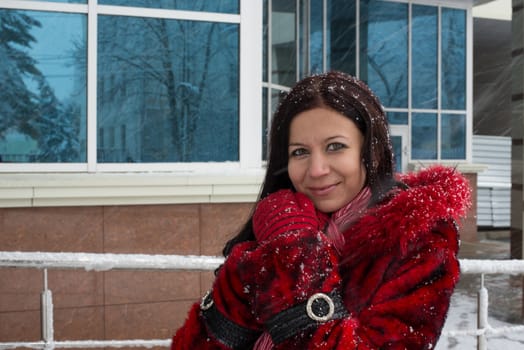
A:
[(194, 335), (223, 319), (408, 307)]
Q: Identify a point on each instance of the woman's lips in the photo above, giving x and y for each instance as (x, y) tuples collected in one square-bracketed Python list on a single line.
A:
[(322, 190)]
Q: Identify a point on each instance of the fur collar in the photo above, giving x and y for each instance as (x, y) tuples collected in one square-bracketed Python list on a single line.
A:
[(434, 194)]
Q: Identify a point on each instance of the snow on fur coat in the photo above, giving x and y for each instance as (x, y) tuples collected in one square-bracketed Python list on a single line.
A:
[(397, 272)]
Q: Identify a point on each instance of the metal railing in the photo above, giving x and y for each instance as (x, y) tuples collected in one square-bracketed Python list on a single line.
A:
[(106, 262)]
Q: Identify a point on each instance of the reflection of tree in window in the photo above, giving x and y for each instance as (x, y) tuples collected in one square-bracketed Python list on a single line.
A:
[(424, 57), (283, 44), (17, 102), (453, 59), (342, 32), (384, 53), (453, 136), (179, 92), (28, 104), (424, 136)]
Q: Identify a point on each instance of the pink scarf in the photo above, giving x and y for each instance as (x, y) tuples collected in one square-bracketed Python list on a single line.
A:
[(338, 223), (343, 218)]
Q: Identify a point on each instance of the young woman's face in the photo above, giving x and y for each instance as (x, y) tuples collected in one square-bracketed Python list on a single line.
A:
[(325, 158)]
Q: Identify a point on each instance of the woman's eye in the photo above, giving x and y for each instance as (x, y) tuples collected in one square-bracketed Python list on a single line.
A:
[(335, 146), (298, 152)]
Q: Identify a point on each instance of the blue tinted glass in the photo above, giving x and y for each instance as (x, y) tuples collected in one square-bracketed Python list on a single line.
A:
[(453, 59), (397, 152), (283, 42), (424, 136), (221, 6), (264, 42), (167, 90), (316, 38), (42, 87), (424, 56), (399, 118), (453, 136), (384, 50), (265, 122), (341, 36), (303, 36)]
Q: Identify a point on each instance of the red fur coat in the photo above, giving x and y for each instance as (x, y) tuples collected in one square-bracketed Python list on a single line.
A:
[(397, 272)]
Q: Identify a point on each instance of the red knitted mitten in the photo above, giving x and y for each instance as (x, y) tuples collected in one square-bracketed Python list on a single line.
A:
[(285, 211)]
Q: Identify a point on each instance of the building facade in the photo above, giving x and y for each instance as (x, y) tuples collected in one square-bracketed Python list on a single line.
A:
[(140, 127)]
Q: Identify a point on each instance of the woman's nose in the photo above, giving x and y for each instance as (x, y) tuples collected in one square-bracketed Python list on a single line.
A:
[(318, 165)]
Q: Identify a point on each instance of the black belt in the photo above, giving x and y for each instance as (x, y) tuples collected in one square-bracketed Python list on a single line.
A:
[(223, 329), (318, 309)]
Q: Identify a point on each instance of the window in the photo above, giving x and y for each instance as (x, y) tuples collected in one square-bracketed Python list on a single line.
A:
[(172, 73), (424, 46), (342, 31), (453, 59), (221, 6), (424, 135), (42, 93), (397, 118), (152, 86), (412, 55), (179, 105), (453, 136), (384, 50)]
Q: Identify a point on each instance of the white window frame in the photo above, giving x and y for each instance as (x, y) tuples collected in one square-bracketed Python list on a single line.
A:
[(250, 72)]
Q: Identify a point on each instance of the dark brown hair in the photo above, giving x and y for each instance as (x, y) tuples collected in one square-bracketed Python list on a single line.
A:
[(346, 95)]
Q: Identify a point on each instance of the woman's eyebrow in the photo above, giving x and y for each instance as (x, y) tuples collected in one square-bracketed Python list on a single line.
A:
[(330, 138), (337, 137), (296, 143)]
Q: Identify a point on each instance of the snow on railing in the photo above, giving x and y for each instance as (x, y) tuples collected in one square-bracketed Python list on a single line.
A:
[(105, 262)]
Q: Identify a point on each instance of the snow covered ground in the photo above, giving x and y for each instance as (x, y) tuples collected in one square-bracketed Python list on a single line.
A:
[(463, 316)]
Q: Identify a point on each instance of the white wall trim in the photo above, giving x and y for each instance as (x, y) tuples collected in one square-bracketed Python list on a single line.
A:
[(250, 121), (50, 190)]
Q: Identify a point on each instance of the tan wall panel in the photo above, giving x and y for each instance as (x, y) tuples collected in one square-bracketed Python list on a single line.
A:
[(83, 323), (154, 229), (71, 229), (145, 321), (20, 326), (220, 223), (20, 289), (131, 287)]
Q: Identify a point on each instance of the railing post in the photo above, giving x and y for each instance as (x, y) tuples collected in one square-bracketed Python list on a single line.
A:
[(482, 315), (47, 316)]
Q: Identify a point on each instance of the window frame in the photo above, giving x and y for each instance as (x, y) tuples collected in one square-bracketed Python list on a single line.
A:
[(250, 87), (465, 5)]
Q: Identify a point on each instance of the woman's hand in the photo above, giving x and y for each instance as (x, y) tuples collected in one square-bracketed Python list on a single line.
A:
[(286, 211)]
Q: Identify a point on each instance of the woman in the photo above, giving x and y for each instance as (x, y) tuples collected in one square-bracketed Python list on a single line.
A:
[(338, 253)]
